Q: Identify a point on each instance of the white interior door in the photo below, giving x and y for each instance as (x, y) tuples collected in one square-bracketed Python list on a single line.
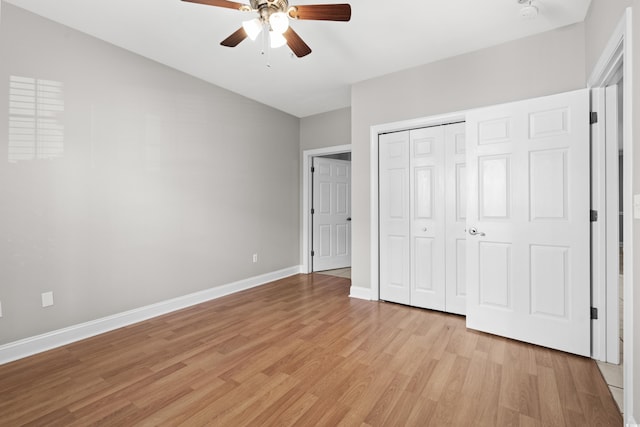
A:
[(528, 265), (331, 214), (456, 216), (427, 232), (394, 217)]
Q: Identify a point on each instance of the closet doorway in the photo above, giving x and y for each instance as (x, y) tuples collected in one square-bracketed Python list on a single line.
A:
[(422, 211), (527, 218)]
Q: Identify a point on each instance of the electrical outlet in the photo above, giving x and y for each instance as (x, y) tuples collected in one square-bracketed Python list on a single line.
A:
[(47, 299), (255, 258)]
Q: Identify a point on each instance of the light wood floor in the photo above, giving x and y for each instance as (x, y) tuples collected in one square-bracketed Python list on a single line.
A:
[(300, 352)]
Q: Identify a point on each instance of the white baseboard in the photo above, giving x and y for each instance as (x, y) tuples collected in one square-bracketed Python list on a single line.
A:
[(360, 293), (47, 341)]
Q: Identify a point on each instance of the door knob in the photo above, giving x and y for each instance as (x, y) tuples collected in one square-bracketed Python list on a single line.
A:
[(349, 219), (424, 229), (474, 231)]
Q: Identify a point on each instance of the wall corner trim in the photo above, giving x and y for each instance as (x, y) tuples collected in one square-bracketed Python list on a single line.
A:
[(50, 340), (360, 293)]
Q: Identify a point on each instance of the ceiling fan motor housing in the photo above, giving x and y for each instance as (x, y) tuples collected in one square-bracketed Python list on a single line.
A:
[(267, 7)]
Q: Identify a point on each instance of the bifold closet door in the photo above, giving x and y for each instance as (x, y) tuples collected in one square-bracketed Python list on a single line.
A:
[(394, 217), (427, 205), (412, 218), (456, 216)]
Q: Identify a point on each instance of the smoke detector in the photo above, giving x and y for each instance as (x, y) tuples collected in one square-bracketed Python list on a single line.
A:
[(528, 10)]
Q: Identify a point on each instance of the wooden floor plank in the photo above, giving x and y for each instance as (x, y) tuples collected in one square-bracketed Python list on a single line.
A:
[(299, 351)]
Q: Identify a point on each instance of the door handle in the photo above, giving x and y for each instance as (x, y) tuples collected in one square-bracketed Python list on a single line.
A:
[(474, 231), (349, 219)]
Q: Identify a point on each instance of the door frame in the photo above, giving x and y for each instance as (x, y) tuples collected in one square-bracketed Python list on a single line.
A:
[(616, 55), (306, 230), (374, 231)]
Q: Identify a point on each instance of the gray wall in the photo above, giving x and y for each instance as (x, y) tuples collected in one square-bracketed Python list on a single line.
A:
[(167, 184), (325, 129), (535, 66)]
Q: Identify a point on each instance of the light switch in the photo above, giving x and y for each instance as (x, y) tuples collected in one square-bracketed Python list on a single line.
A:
[(47, 299), (636, 206)]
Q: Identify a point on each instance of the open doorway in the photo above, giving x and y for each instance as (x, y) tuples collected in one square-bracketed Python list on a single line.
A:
[(328, 195), (611, 198), (331, 214), (612, 362)]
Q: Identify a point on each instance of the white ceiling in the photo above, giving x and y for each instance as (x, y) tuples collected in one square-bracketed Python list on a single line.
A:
[(382, 37)]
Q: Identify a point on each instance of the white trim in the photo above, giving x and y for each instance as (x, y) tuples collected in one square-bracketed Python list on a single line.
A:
[(50, 340), (629, 322), (598, 228), (373, 179), (360, 293), (619, 50), (305, 231), (612, 216), (611, 56)]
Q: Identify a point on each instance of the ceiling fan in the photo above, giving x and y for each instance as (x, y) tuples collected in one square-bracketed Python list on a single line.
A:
[(274, 17)]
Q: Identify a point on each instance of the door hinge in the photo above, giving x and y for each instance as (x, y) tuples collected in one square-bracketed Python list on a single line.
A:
[(594, 216), (313, 253), (593, 117), (313, 169), (594, 313), (313, 211)]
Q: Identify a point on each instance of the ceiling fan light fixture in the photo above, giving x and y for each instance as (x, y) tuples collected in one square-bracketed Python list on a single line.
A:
[(252, 28), (279, 22), (276, 39)]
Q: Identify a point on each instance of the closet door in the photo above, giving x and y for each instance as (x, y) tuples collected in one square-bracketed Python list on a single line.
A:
[(427, 260), (394, 217), (456, 216)]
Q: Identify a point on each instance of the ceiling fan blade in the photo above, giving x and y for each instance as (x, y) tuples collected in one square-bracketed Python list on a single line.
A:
[(296, 44), (234, 39), (322, 12), (220, 3)]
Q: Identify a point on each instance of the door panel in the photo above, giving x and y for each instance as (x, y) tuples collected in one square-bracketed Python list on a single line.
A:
[(547, 176), (549, 281), (460, 274), (423, 192), (456, 214), (495, 275), (424, 269), (528, 271), (394, 217), (495, 177), (332, 207), (426, 161)]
